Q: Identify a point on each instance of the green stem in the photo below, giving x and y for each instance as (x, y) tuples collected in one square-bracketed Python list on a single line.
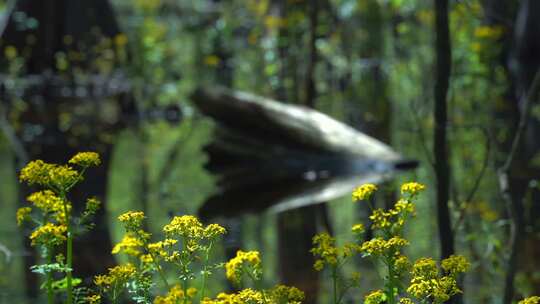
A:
[(335, 283), (160, 271), (185, 283), (69, 249), (50, 294), (391, 284), (205, 266), (114, 294)]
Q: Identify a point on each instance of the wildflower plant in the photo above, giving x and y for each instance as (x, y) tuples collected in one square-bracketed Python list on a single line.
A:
[(52, 219), (428, 282), (187, 245)]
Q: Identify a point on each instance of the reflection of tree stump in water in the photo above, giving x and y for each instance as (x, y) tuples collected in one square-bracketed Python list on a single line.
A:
[(269, 155)]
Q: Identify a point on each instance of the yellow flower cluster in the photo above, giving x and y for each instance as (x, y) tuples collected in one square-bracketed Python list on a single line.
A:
[(117, 276), (394, 217), (489, 32), (363, 192), (403, 206), (213, 230), (192, 231), (439, 290), (85, 159), (427, 283), (36, 172), (286, 294), (235, 266), (10, 52), (401, 263), (176, 295), (380, 219), (357, 229), (455, 264), (530, 300), (49, 234), (93, 299), (41, 173), (405, 301), (380, 246), (129, 245), (425, 267), (23, 214), (325, 248), (412, 188), (48, 202), (92, 205), (162, 249), (375, 297), (132, 220), (186, 226), (146, 258), (245, 296)]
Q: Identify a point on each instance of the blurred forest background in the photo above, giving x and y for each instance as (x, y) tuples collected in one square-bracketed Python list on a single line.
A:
[(115, 76)]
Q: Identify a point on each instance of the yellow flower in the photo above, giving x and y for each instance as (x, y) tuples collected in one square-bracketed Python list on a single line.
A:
[(363, 192), (191, 292), (455, 264), (161, 248), (286, 294), (213, 230), (244, 296), (425, 267), (10, 52), (92, 205), (325, 248), (427, 283), (63, 176), (375, 297), (185, 226), (49, 202), (146, 258), (49, 233), (412, 188), (379, 246), (132, 220), (93, 299), (212, 60), (489, 32), (120, 39), (250, 296), (380, 219), (405, 301), (23, 214), (530, 300), (403, 206), (85, 159), (51, 175), (318, 265), (175, 295), (401, 263), (130, 245), (357, 229), (117, 276), (235, 266)]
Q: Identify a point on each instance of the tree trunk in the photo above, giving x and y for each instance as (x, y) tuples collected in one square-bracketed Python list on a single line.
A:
[(440, 145)]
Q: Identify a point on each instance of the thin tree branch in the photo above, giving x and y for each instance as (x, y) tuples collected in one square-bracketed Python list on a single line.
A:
[(477, 180), (516, 225)]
